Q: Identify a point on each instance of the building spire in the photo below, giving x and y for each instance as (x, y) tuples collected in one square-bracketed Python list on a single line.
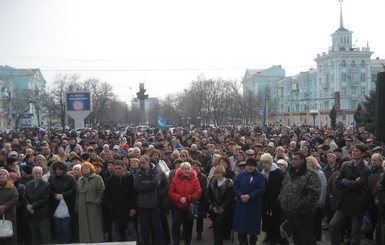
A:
[(341, 20)]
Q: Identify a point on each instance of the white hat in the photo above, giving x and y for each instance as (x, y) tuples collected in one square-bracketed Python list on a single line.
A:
[(271, 144), (281, 161)]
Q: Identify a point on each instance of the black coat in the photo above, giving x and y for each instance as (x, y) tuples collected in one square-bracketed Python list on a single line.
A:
[(354, 200), (39, 198), (65, 185), (272, 190), (221, 197), (120, 197)]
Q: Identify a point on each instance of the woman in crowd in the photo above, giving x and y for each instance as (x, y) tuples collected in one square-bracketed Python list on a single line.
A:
[(155, 155), (225, 162), (8, 200), (89, 205), (280, 154), (313, 163), (249, 188), (271, 216), (63, 186), (184, 190), (76, 172), (240, 157), (220, 197), (184, 155), (99, 166), (306, 149)]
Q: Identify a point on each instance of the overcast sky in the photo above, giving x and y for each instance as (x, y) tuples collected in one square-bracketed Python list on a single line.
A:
[(167, 44)]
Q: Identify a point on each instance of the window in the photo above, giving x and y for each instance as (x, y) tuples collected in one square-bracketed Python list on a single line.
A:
[(343, 63), (353, 91), (362, 77), (362, 91), (353, 63), (354, 105), (344, 105), (343, 77), (362, 63), (343, 92)]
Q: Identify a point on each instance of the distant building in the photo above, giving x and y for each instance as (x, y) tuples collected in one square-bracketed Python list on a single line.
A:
[(13, 82), (344, 75)]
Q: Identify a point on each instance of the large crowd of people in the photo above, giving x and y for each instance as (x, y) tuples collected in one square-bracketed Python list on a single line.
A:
[(110, 185)]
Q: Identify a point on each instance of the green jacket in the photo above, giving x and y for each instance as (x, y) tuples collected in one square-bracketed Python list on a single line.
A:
[(300, 190)]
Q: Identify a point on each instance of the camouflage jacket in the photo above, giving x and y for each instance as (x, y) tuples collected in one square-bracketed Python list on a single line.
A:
[(300, 190)]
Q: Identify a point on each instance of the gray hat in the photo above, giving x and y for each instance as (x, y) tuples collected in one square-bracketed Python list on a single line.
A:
[(378, 148), (250, 152), (40, 156), (332, 155), (13, 153), (242, 164)]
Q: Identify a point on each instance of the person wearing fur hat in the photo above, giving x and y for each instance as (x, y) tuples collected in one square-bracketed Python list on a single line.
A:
[(8, 200), (249, 187), (89, 198)]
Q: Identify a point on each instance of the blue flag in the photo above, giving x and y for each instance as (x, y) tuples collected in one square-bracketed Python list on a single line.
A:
[(161, 123)]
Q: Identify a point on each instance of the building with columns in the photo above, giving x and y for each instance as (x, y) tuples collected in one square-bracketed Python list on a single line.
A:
[(14, 83), (344, 76)]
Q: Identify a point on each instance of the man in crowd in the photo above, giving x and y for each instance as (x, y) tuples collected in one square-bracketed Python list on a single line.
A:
[(37, 193), (146, 183), (352, 179), (298, 198), (120, 199)]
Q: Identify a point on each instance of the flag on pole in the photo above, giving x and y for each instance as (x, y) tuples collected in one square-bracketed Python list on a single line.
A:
[(161, 123)]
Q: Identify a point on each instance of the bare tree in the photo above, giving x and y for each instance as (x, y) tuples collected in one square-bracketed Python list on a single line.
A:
[(102, 98), (62, 84)]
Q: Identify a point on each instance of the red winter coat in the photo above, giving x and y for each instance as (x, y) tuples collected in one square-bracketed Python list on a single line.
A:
[(187, 187)]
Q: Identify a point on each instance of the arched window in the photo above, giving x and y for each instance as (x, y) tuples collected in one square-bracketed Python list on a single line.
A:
[(362, 63), (343, 63), (353, 63)]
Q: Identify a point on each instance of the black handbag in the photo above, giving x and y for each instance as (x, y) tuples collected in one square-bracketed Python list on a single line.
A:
[(195, 210)]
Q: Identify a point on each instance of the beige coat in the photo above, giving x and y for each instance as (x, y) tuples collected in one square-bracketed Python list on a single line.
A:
[(8, 198), (89, 206)]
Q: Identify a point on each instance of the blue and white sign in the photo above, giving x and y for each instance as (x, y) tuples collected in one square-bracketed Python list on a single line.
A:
[(78, 101)]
